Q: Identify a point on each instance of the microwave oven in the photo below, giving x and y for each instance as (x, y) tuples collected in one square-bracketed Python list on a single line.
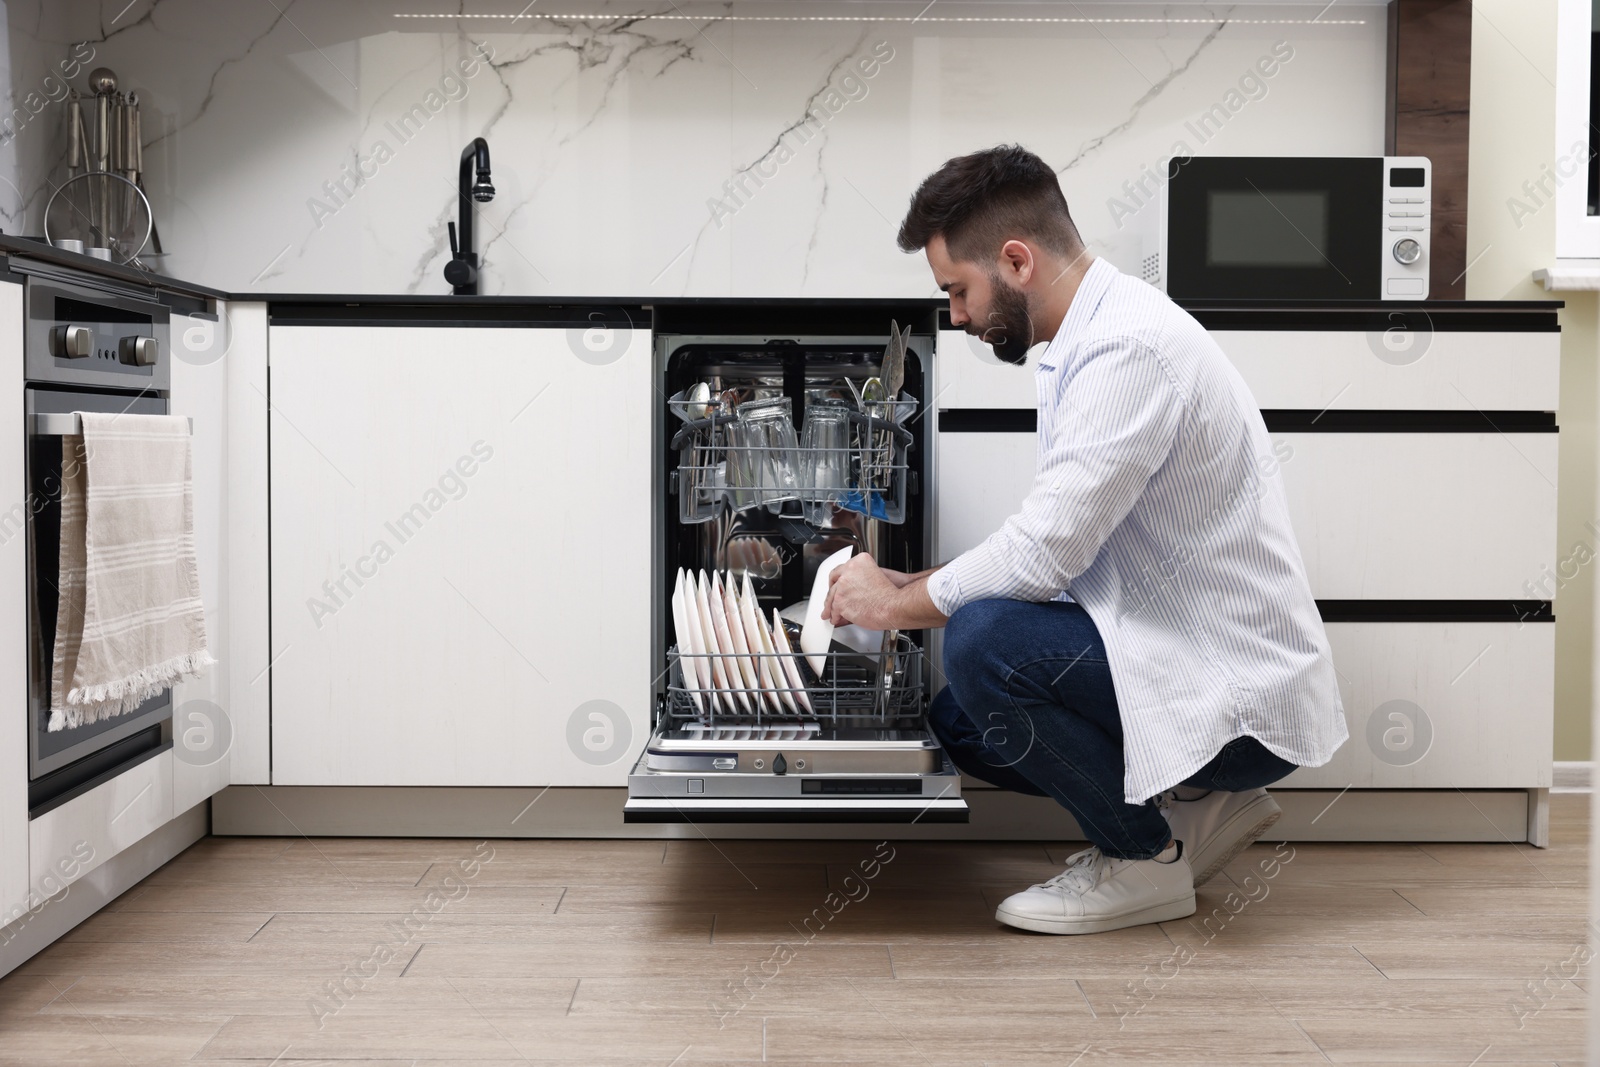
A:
[(1293, 228)]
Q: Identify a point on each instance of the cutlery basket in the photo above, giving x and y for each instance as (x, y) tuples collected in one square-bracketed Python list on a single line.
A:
[(855, 689), (716, 469)]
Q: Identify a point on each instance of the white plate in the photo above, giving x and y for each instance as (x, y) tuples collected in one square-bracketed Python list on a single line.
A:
[(752, 631), (719, 674), (687, 664), (697, 641), (781, 683), (817, 634), (741, 644), (791, 667), (730, 648), (849, 635)]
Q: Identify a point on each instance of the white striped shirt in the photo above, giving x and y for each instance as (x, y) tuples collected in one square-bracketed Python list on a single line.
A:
[(1157, 504)]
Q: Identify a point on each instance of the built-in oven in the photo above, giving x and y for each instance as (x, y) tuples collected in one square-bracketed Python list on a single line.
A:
[(1290, 227), (777, 448), (89, 346)]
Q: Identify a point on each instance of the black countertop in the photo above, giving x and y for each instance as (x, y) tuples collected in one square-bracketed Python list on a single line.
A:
[(35, 248), (778, 313)]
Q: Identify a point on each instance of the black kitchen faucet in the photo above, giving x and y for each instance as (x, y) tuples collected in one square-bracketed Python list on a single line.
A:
[(462, 270)]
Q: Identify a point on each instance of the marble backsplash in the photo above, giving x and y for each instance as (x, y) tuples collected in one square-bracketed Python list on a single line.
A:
[(737, 149)]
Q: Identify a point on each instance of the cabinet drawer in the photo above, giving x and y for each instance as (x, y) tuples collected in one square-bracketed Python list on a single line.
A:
[(1385, 516), (1313, 370), (1454, 371), (969, 376), (982, 480), (102, 822), (1397, 516), (1441, 706)]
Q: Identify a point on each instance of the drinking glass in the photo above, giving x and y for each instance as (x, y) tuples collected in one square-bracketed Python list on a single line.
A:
[(740, 471), (767, 428), (824, 458)]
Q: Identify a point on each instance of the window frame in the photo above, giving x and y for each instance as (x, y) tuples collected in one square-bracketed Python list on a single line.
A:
[(1577, 232)]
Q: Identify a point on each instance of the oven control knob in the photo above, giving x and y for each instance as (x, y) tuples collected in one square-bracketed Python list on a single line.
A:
[(1407, 250), (71, 342), (138, 351)]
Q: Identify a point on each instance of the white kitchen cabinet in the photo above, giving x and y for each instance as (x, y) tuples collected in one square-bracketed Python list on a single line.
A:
[(14, 873), (1426, 516), (248, 648), (1441, 705), (969, 376), (1312, 370), (202, 727), (982, 480), (1408, 367), (460, 555), (1377, 516), (1410, 504)]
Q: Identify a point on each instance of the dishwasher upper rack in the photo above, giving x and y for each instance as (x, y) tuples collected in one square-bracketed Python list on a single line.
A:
[(855, 689), (713, 472)]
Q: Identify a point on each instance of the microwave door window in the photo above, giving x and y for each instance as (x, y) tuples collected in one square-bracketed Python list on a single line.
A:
[(1267, 228)]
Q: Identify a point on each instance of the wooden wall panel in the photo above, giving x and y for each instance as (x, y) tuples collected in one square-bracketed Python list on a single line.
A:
[(1430, 73)]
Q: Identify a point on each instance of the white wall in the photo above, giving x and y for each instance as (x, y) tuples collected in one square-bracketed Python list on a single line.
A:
[(45, 50), (610, 138), (1513, 140)]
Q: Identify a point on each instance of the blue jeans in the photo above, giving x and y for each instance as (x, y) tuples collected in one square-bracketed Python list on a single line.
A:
[(1030, 706)]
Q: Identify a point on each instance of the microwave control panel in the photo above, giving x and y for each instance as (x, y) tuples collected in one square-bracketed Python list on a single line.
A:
[(1407, 222)]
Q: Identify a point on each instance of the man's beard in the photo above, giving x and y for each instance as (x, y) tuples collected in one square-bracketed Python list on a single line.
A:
[(1009, 330)]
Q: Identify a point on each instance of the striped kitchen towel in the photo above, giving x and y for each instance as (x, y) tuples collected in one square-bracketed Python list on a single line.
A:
[(130, 622)]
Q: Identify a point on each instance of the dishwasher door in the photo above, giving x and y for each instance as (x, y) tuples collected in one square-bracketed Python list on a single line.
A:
[(655, 796)]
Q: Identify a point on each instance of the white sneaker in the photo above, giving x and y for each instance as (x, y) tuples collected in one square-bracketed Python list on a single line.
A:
[(1096, 893), (1218, 826)]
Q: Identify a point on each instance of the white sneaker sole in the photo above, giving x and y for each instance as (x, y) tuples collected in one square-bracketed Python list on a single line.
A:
[(1179, 908), (1234, 836)]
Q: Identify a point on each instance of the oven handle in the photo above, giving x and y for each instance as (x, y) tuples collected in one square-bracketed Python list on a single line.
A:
[(62, 424)]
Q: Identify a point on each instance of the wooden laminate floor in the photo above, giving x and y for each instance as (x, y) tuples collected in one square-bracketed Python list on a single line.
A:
[(290, 951)]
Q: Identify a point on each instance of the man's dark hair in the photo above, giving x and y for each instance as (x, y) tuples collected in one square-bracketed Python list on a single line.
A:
[(980, 201)]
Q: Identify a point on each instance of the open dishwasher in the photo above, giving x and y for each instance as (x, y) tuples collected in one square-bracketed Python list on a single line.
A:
[(776, 449)]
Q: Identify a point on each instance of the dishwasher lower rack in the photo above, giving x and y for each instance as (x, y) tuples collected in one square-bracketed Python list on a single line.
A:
[(766, 689), (863, 753)]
